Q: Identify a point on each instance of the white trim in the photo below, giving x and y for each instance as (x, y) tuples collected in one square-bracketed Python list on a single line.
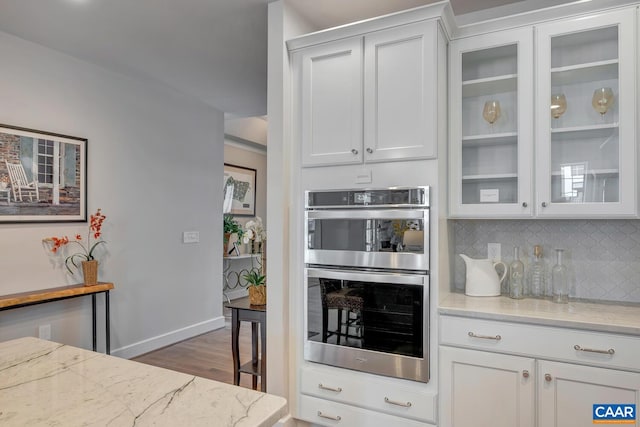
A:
[(286, 421), (243, 144), (154, 343)]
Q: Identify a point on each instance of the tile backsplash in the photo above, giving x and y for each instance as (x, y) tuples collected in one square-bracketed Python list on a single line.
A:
[(602, 256)]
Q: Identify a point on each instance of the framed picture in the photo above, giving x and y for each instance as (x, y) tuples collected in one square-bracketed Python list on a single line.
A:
[(239, 190), (43, 176)]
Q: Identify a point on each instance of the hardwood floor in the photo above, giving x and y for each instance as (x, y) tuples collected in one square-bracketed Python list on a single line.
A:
[(207, 355)]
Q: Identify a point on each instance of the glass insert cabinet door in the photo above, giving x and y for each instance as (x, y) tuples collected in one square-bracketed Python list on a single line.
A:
[(586, 116), (491, 146)]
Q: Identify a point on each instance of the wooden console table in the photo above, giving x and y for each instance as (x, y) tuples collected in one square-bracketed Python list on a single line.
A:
[(24, 299), (241, 310)]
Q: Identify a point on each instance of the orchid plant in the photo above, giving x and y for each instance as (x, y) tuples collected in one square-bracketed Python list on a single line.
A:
[(254, 231), (87, 250)]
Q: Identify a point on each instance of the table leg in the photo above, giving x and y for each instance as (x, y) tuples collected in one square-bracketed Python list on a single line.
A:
[(106, 318), (263, 350), (235, 347), (254, 352), (93, 306)]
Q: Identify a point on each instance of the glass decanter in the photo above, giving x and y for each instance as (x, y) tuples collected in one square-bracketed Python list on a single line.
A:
[(559, 280), (516, 276)]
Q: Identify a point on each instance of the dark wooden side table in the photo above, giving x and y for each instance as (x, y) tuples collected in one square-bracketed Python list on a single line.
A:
[(241, 310)]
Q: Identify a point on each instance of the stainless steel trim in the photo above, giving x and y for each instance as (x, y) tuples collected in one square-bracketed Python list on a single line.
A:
[(409, 279), (324, 387), (367, 214), (591, 350), (394, 402), (426, 204), (329, 417), (485, 337)]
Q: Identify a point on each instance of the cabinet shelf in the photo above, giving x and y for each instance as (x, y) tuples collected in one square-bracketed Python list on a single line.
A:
[(489, 85), (587, 72), (599, 131), (490, 139), (593, 172), (488, 177)]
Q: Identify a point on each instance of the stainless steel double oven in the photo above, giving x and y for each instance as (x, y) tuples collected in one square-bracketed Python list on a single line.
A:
[(367, 280)]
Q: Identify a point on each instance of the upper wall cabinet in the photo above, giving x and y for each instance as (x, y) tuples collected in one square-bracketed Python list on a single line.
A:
[(586, 116), (371, 98), (491, 132)]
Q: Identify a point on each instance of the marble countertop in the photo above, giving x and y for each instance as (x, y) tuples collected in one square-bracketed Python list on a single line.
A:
[(623, 319), (46, 383)]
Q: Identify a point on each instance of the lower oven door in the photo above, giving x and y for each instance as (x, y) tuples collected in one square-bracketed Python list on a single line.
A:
[(371, 322)]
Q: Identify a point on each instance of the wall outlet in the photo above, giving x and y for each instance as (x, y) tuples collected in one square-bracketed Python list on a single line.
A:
[(191, 237), (494, 251), (44, 332)]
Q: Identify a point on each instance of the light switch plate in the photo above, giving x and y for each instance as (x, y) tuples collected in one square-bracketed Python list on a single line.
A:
[(191, 237), (363, 176)]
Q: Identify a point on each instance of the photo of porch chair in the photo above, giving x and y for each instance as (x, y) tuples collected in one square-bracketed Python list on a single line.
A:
[(20, 184)]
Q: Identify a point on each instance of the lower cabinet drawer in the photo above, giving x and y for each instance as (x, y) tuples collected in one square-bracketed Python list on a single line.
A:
[(329, 413), (400, 398), (570, 345)]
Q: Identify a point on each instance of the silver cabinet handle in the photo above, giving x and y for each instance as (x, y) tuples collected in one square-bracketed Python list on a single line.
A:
[(485, 337), (525, 373), (369, 150), (524, 204), (394, 402), (325, 387), (544, 204), (354, 151), (329, 417), (547, 377), (592, 350)]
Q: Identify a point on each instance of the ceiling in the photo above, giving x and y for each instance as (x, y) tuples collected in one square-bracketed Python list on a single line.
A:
[(214, 50)]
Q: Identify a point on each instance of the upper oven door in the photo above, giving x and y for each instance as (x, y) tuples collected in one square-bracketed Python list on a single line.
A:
[(368, 238)]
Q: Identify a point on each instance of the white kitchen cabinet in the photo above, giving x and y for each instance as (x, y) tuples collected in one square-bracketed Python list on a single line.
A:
[(586, 160), (490, 371), (567, 393), (370, 98), (490, 163), (486, 389)]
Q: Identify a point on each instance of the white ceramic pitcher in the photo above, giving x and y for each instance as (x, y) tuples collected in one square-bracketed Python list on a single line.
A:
[(482, 277)]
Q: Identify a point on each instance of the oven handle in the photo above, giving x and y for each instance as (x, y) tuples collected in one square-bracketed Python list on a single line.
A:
[(404, 279), (369, 214)]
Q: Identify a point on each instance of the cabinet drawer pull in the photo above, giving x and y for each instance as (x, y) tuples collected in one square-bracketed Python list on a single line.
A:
[(524, 204), (547, 378), (485, 337), (325, 387), (369, 150), (525, 373), (354, 151), (329, 417), (393, 402), (592, 350), (544, 204)]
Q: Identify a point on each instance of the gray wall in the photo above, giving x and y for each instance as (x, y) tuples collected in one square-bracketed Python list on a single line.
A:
[(154, 164)]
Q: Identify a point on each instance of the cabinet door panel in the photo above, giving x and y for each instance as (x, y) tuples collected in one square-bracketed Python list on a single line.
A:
[(331, 103), (491, 157), (586, 156), (400, 95), (486, 389), (567, 393)]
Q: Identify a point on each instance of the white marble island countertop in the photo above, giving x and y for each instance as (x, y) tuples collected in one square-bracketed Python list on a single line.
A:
[(46, 383), (623, 319)]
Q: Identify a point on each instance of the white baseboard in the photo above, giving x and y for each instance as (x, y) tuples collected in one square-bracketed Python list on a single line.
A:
[(286, 421), (154, 343)]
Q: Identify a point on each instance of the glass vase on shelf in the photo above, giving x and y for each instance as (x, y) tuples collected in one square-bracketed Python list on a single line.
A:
[(538, 274), (559, 280), (516, 276)]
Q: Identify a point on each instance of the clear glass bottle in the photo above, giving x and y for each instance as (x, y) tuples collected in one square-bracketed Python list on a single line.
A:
[(559, 280), (516, 276), (538, 274)]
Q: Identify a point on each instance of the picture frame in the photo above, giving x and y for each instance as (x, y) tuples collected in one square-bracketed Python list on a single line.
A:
[(43, 176), (239, 189)]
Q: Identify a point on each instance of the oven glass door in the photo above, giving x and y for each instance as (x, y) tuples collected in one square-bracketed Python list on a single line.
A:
[(381, 312), (385, 238)]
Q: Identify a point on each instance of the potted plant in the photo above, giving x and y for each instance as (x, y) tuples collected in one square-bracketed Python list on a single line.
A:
[(230, 226), (257, 287)]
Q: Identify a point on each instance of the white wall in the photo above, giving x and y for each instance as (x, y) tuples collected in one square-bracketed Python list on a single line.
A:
[(154, 167)]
